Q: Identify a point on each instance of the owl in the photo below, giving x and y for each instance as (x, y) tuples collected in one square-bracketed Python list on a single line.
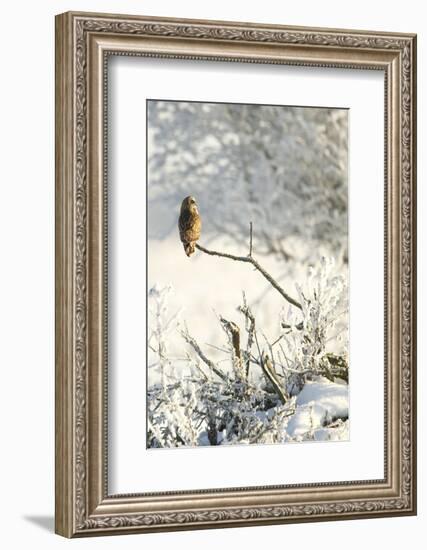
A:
[(190, 225)]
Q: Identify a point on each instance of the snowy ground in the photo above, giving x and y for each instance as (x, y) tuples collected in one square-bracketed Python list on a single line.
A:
[(322, 411), (321, 414)]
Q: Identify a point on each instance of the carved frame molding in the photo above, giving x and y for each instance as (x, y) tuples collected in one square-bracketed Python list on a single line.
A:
[(83, 42)]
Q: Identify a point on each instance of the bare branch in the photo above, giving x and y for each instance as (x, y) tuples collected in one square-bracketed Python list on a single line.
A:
[(257, 266), (271, 374), (223, 350), (234, 332), (190, 340), (198, 367), (277, 340)]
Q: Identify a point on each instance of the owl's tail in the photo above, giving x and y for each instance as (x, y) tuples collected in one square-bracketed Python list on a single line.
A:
[(189, 248)]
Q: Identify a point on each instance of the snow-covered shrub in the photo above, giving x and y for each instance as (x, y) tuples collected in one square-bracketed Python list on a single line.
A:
[(282, 172), (170, 401), (315, 338), (198, 401)]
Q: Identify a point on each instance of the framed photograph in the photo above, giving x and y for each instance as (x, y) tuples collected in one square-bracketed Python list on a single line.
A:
[(235, 274)]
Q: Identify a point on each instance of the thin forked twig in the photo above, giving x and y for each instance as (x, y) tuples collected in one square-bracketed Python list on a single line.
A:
[(251, 260), (257, 266)]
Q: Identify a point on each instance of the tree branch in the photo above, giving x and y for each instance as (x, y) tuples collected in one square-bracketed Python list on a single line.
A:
[(257, 266), (271, 375), (190, 340), (234, 333), (333, 366), (250, 329)]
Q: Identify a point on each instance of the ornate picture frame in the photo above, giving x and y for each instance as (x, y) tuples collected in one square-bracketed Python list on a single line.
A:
[(84, 42)]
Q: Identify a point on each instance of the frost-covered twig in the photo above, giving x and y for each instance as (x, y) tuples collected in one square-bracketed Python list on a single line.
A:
[(323, 298), (233, 332), (190, 340), (250, 329)]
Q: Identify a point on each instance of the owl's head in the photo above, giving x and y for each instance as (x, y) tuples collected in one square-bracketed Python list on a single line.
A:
[(189, 203)]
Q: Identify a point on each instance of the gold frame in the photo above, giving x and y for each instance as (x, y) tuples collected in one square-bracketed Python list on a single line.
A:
[(83, 42)]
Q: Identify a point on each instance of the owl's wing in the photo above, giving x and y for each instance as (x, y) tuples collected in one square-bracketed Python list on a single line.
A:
[(184, 225)]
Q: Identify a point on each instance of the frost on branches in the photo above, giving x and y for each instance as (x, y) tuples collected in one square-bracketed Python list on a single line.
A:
[(285, 167), (269, 365), (292, 388)]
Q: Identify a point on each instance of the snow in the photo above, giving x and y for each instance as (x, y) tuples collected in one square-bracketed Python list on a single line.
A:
[(331, 396), (242, 166), (318, 412), (320, 403), (204, 286)]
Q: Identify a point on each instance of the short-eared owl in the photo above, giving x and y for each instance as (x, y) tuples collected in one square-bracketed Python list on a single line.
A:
[(189, 224)]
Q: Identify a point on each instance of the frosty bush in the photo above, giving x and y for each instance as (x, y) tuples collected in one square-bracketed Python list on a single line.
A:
[(251, 395), (315, 339), (264, 378)]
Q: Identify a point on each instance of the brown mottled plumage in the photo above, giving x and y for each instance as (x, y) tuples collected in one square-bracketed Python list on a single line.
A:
[(189, 224)]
